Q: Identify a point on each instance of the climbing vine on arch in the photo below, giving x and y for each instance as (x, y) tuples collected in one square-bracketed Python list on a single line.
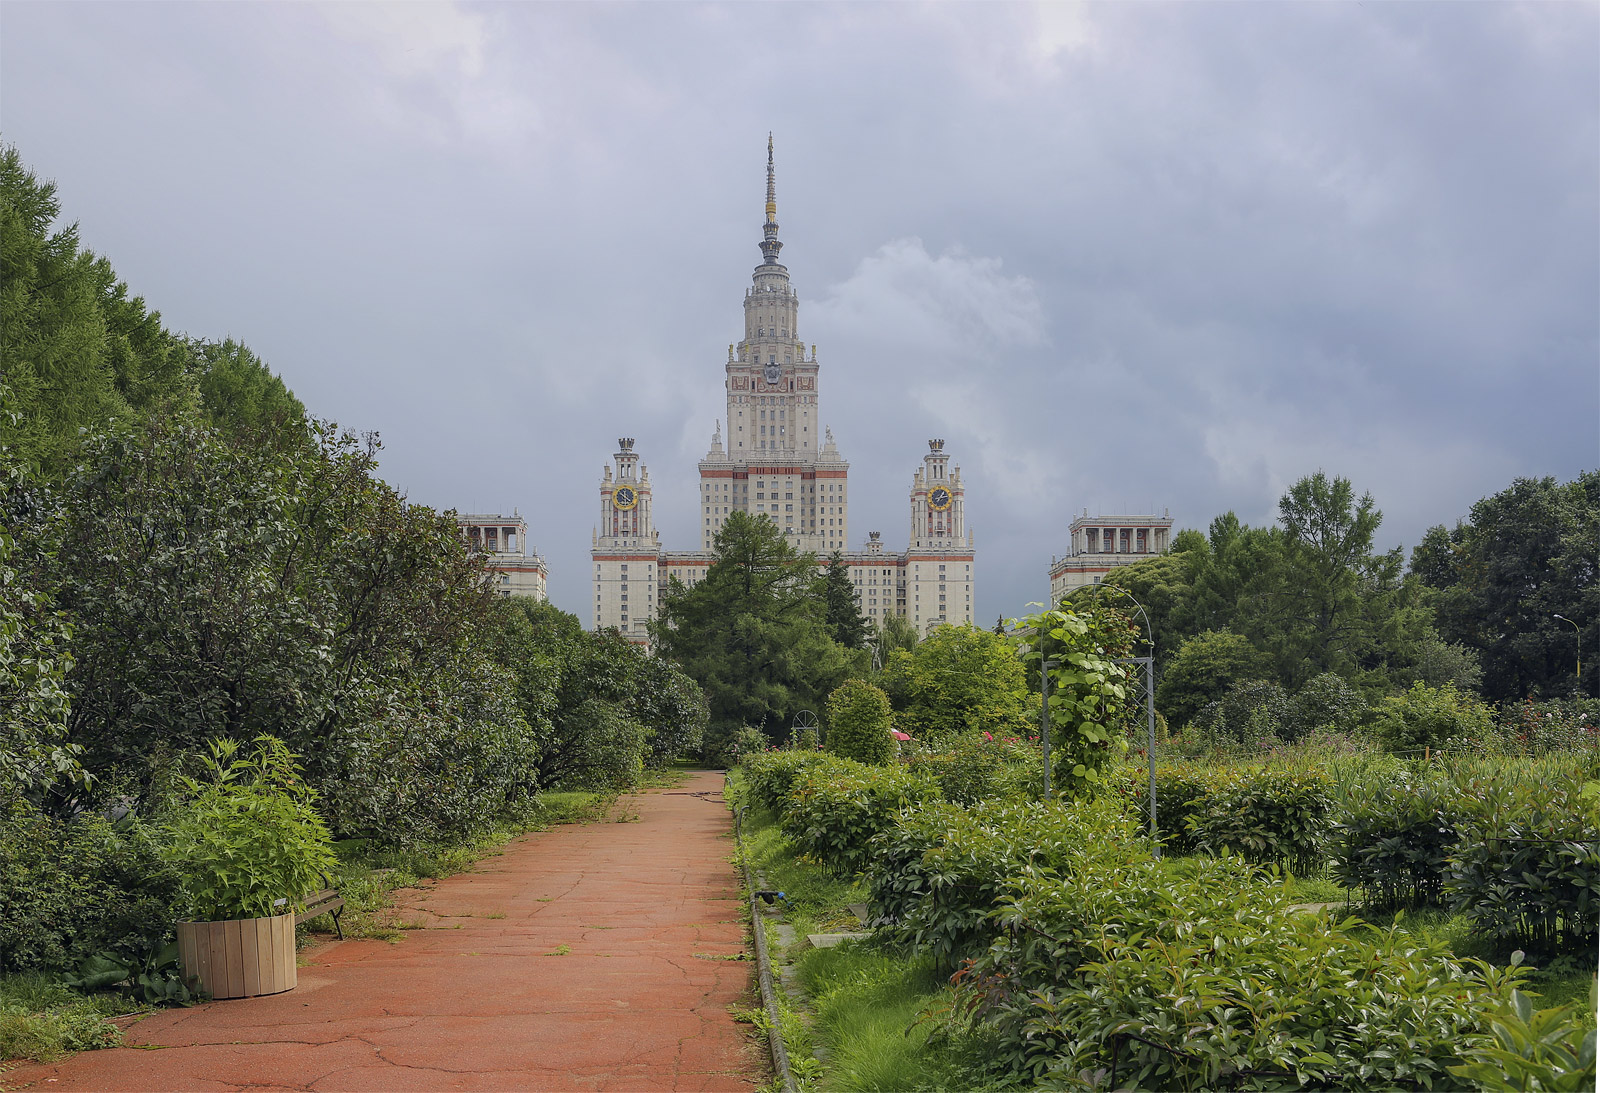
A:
[(1088, 690)]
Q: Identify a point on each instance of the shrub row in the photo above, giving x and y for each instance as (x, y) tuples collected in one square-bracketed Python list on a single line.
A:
[(1513, 849), (835, 806), (934, 877), (1195, 973), (1265, 816), (977, 766)]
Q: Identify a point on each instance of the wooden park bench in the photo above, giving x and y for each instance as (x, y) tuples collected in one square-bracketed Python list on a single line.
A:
[(326, 902)]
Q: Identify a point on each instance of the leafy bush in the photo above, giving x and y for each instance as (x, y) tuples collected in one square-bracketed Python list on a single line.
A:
[(836, 807), (1395, 844), (1432, 718), (1251, 711), (959, 679), (1182, 789), (935, 877), (771, 774), (249, 836), (71, 889), (606, 747), (1550, 1049), (1326, 704), (972, 767), (1531, 726), (1266, 816), (859, 722), (1527, 869), (1195, 974)]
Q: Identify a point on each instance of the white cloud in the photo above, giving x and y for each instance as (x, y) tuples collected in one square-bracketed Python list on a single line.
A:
[(951, 307)]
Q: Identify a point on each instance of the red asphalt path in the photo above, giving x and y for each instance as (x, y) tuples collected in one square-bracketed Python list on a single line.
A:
[(482, 996)]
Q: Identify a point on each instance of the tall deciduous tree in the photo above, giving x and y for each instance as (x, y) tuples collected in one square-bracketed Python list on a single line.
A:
[(959, 679), (1521, 557)]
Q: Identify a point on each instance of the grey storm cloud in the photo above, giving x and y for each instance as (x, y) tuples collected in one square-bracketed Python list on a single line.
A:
[(1118, 256)]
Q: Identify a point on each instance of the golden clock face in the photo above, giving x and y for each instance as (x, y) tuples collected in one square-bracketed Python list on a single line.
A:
[(939, 499), (624, 497)]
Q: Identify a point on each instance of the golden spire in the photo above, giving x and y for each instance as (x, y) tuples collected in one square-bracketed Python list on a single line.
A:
[(769, 231), (772, 186)]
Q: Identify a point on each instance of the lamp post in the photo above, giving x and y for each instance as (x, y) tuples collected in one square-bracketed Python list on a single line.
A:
[(1579, 629)]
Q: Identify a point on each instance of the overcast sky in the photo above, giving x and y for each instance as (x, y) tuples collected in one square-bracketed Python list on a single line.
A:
[(1120, 256)]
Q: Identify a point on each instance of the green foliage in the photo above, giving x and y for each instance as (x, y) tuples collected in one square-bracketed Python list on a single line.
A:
[(42, 1021), (754, 633), (959, 679), (1088, 692), (935, 877), (1549, 1049), (771, 774), (604, 748), (1269, 816), (859, 722), (1527, 870), (1432, 718), (72, 888), (34, 704), (835, 807), (80, 352), (248, 842), (841, 611), (1203, 669), (670, 707), (1520, 558), (1533, 727), (1394, 844), (973, 767), (1183, 791), (219, 592), (1326, 704), (1194, 974), (1251, 713)]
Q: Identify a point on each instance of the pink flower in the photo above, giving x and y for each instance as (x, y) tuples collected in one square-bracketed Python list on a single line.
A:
[(989, 737)]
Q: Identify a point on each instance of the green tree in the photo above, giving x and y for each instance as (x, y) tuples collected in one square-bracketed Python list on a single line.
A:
[(859, 723), (1203, 669), (80, 351), (1432, 717), (841, 611), (753, 634), (959, 679), (52, 332), (1522, 556), (219, 592)]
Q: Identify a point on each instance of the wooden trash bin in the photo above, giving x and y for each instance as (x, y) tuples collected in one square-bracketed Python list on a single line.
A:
[(240, 958)]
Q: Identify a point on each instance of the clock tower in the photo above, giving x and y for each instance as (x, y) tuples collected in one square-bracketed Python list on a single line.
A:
[(625, 547)]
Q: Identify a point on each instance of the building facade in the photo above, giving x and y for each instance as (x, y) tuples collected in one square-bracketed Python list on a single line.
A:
[(780, 462), (503, 540), (1101, 543)]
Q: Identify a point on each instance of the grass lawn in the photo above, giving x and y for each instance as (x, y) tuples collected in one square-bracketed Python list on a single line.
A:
[(866, 1004)]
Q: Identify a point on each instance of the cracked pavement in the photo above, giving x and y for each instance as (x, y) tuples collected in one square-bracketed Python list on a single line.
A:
[(481, 997)]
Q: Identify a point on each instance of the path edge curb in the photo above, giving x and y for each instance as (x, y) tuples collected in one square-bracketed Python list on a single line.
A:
[(769, 993)]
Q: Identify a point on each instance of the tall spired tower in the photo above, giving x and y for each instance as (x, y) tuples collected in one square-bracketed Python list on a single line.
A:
[(779, 460)]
